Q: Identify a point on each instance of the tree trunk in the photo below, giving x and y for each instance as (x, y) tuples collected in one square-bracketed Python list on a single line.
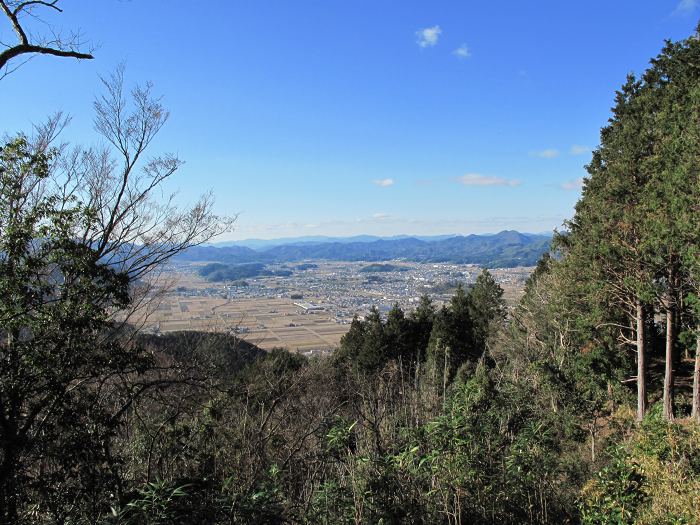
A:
[(668, 375), (444, 378), (696, 380), (672, 316), (641, 364), (8, 488), (592, 429)]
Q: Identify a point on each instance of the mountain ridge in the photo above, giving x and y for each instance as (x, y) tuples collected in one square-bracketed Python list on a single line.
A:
[(505, 249), (262, 244)]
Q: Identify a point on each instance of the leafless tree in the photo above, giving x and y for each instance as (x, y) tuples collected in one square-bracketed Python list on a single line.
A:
[(135, 227), (29, 44)]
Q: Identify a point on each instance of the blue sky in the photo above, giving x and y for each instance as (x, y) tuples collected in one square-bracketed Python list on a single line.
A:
[(341, 117)]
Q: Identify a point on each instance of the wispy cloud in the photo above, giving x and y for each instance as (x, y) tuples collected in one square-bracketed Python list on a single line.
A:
[(384, 183), (476, 179), (577, 149), (462, 52), (381, 216), (546, 153), (571, 185), (429, 36), (685, 7)]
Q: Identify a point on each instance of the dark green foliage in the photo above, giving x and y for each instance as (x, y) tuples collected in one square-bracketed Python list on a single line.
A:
[(156, 503), (217, 272), (421, 326), (306, 266), (382, 268), (224, 355), (449, 337), (487, 308), (57, 346), (493, 453), (452, 342), (619, 493), (375, 350), (371, 343)]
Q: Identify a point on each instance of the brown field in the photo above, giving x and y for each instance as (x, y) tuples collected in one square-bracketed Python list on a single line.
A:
[(264, 322)]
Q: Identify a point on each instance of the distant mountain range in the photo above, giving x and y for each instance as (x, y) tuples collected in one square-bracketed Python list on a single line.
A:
[(258, 244), (501, 250)]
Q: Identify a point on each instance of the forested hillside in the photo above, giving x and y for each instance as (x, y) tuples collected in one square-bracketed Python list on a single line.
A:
[(232, 272), (580, 404)]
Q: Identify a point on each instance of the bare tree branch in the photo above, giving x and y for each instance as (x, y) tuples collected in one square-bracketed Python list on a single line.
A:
[(58, 46)]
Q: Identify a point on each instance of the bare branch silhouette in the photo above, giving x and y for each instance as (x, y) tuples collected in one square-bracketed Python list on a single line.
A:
[(28, 44)]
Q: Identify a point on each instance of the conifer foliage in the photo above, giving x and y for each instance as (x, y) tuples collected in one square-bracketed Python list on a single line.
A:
[(635, 232)]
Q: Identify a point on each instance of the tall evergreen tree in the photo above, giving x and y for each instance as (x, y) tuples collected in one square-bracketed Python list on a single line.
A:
[(487, 308), (422, 319), (671, 197), (395, 333), (452, 337), (606, 245)]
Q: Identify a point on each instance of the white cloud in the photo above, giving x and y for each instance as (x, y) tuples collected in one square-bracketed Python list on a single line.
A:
[(546, 153), (476, 179), (381, 216), (571, 185), (686, 6), (429, 36), (384, 183), (462, 52), (577, 149)]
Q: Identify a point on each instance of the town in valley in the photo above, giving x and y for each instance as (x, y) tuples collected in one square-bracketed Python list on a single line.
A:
[(309, 310)]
